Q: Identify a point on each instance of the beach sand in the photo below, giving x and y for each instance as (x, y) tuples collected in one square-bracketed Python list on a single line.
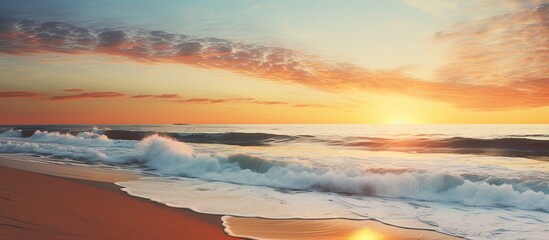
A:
[(40, 200), (38, 206)]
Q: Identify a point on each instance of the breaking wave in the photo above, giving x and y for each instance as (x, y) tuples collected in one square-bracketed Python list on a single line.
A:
[(11, 133), (82, 138), (171, 157), (168, 156)]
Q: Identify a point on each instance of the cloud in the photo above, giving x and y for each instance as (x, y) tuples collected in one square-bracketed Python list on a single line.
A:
[(316, 105), (173, 97), (20, 94), (502, 50), (179, 99), (111, 38), (161, 96), (496, 64), (229, 100), (214, 100), (502, 59), (87, 95), (271, 102), (73, 90)]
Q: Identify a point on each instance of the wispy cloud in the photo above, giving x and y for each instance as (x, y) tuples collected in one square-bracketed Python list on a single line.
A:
[(79, 94), (498, 63), (160, 96), (229, 100), (178, 99), (73, 90), (315, 105), (20, 94), (88, 95), (214, 100), (509, 49), (502, 60), (271, 102)]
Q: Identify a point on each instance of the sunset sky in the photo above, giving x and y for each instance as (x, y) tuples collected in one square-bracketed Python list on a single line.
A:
[(243, 61)]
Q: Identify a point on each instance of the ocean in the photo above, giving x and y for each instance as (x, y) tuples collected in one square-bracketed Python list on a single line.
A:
[(472, 181)]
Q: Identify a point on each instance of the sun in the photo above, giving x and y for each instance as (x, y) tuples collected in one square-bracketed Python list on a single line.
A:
[(399, 122)]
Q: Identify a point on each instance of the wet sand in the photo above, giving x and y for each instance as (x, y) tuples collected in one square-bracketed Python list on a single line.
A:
[(38, 206), (41, 200), (324, 229)]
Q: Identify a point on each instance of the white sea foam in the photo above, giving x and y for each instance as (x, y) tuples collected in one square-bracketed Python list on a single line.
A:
[(87, 146), (82, 138), (73, 152), (170, 157), (11, 133), (175, 158), (256, 201)]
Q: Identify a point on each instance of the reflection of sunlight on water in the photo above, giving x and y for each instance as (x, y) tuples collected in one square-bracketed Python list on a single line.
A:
[(366, 234)]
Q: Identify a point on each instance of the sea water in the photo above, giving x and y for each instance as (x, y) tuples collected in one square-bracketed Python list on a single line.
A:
[(474, 181)]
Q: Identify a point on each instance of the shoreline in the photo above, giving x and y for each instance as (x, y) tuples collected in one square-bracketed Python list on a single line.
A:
[(51, 207), (97, 182)]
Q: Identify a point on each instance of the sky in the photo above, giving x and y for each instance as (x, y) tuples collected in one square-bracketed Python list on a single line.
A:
[(244, 61)]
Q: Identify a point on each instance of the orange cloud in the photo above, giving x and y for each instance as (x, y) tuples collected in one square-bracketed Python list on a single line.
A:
[(73, 90), (168, 97), (226, 100), (311, 105), (210, 100), (497, 63), (161, 96), (20, 94), (500, 50), (177, 98), (88, 95), (270, 102)]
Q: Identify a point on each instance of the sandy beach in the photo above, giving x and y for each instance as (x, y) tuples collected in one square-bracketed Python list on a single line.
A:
[(38, 206), (52, 201)]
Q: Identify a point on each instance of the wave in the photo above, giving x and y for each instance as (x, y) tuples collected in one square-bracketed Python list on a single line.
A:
[(87, 146), (60, 151), (82, 138), (230, 138), (171, 157), (511, 146), (168, 156), (11, 133), (236, 138)]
